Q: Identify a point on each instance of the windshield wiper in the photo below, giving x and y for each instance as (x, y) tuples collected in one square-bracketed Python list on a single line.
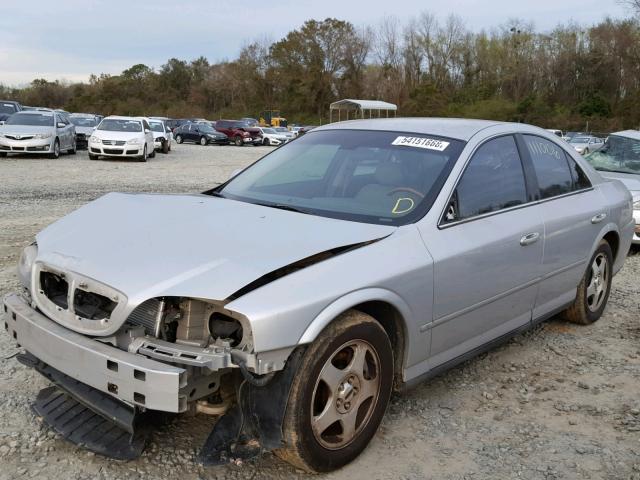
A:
[(215, 193), (613, 171), (282, 206)]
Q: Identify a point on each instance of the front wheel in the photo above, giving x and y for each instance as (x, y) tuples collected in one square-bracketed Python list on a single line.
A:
[(586, 151), (93, 157), (143, 158), (179, 138), (56, 149), (238, 141), (203, 141), (336, 407), (74, 149), (165, 147), (594, 288)]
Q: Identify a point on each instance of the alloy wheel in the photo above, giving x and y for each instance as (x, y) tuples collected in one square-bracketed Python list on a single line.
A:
[(598, 282), (345, 394)]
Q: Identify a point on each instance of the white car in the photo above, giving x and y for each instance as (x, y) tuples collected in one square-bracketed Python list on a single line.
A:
[(271, 137), (161, 135), (286, 132), (122, 137)]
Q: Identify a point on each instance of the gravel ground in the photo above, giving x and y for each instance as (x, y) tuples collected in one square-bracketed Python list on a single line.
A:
[(560, 401)]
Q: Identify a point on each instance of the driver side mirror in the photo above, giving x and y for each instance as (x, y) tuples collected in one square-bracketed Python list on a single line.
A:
[(61, 125), (146, 130)]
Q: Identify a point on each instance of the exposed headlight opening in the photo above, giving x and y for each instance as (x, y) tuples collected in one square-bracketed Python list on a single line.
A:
[(636, 205)]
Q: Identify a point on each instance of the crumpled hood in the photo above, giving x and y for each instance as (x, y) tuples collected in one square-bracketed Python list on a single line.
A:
[(148, 245), (630, 180)]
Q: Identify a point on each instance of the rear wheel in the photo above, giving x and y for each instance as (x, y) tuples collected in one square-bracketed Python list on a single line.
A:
[(594, 288), (334, 409), (238, 141), (179, 138)]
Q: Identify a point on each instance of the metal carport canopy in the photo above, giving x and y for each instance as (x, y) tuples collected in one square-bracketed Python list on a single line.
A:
[(349, 105)]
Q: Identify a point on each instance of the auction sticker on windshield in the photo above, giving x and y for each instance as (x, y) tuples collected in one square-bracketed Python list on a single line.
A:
[(421, 142)]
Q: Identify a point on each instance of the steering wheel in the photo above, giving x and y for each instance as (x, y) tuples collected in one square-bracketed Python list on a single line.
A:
[(406, 189)]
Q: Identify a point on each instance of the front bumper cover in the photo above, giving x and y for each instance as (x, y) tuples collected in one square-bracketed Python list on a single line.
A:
[(129, 377)]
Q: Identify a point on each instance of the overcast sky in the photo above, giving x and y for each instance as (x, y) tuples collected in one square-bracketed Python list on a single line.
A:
[(71, 39)]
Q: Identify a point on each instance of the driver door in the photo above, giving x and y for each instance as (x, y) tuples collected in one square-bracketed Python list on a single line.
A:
[(487, 253)]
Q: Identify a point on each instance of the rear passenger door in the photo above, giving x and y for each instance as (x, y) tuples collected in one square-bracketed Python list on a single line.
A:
[(572, 212), (487, 253)]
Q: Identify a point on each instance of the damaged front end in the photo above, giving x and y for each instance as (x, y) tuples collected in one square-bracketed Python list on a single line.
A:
[(170, 355)]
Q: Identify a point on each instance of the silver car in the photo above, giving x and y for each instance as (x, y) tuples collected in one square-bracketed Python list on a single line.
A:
[(37, 132), (619, 159), (364, 257), (586, 144)]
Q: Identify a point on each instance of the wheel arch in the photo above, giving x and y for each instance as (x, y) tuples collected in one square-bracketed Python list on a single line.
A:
[(386, 307)]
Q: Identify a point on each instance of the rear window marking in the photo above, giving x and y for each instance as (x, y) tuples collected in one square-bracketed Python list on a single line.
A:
[(421, 142)]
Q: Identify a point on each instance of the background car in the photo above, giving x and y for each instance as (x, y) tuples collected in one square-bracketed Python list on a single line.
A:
[(85, 124), (285, 131), (161, 135), (37, 132), (271, 137), (239, 132), (8, 108), (585, 144), (202, 133), (122, 137), (619, 159)]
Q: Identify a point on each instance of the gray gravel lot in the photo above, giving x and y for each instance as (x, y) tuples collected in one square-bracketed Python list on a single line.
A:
[(561, 401)]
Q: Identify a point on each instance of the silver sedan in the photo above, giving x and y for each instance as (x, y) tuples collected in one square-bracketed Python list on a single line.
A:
[(38, 132), (363, 257)]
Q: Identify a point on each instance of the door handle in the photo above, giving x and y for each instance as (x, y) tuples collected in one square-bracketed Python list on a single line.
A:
[(529, 238), (598, 218)]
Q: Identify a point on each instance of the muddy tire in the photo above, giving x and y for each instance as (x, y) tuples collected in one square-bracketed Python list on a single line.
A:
[(335, 408), (594, 288)]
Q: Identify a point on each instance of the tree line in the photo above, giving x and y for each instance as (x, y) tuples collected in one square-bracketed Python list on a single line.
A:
[(567, 78)]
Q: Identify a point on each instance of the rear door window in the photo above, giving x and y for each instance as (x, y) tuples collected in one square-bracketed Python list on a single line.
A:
[(550, 165), (580, 179)]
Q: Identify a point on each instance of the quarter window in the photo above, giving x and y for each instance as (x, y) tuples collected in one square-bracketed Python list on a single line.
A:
[(551, 167), (580, 179), (493, 180)]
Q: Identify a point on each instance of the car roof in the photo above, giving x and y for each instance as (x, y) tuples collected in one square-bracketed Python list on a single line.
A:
[(634, 134), (458, 128)]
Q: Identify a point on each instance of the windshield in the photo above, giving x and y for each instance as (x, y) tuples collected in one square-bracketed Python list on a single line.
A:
[(369, 176), (31, 119), (83, 121), (157, 127), (8, 108), (205, 127), (619, 154), (113, 125), (579, 140), (268, 130), (281, 129)]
